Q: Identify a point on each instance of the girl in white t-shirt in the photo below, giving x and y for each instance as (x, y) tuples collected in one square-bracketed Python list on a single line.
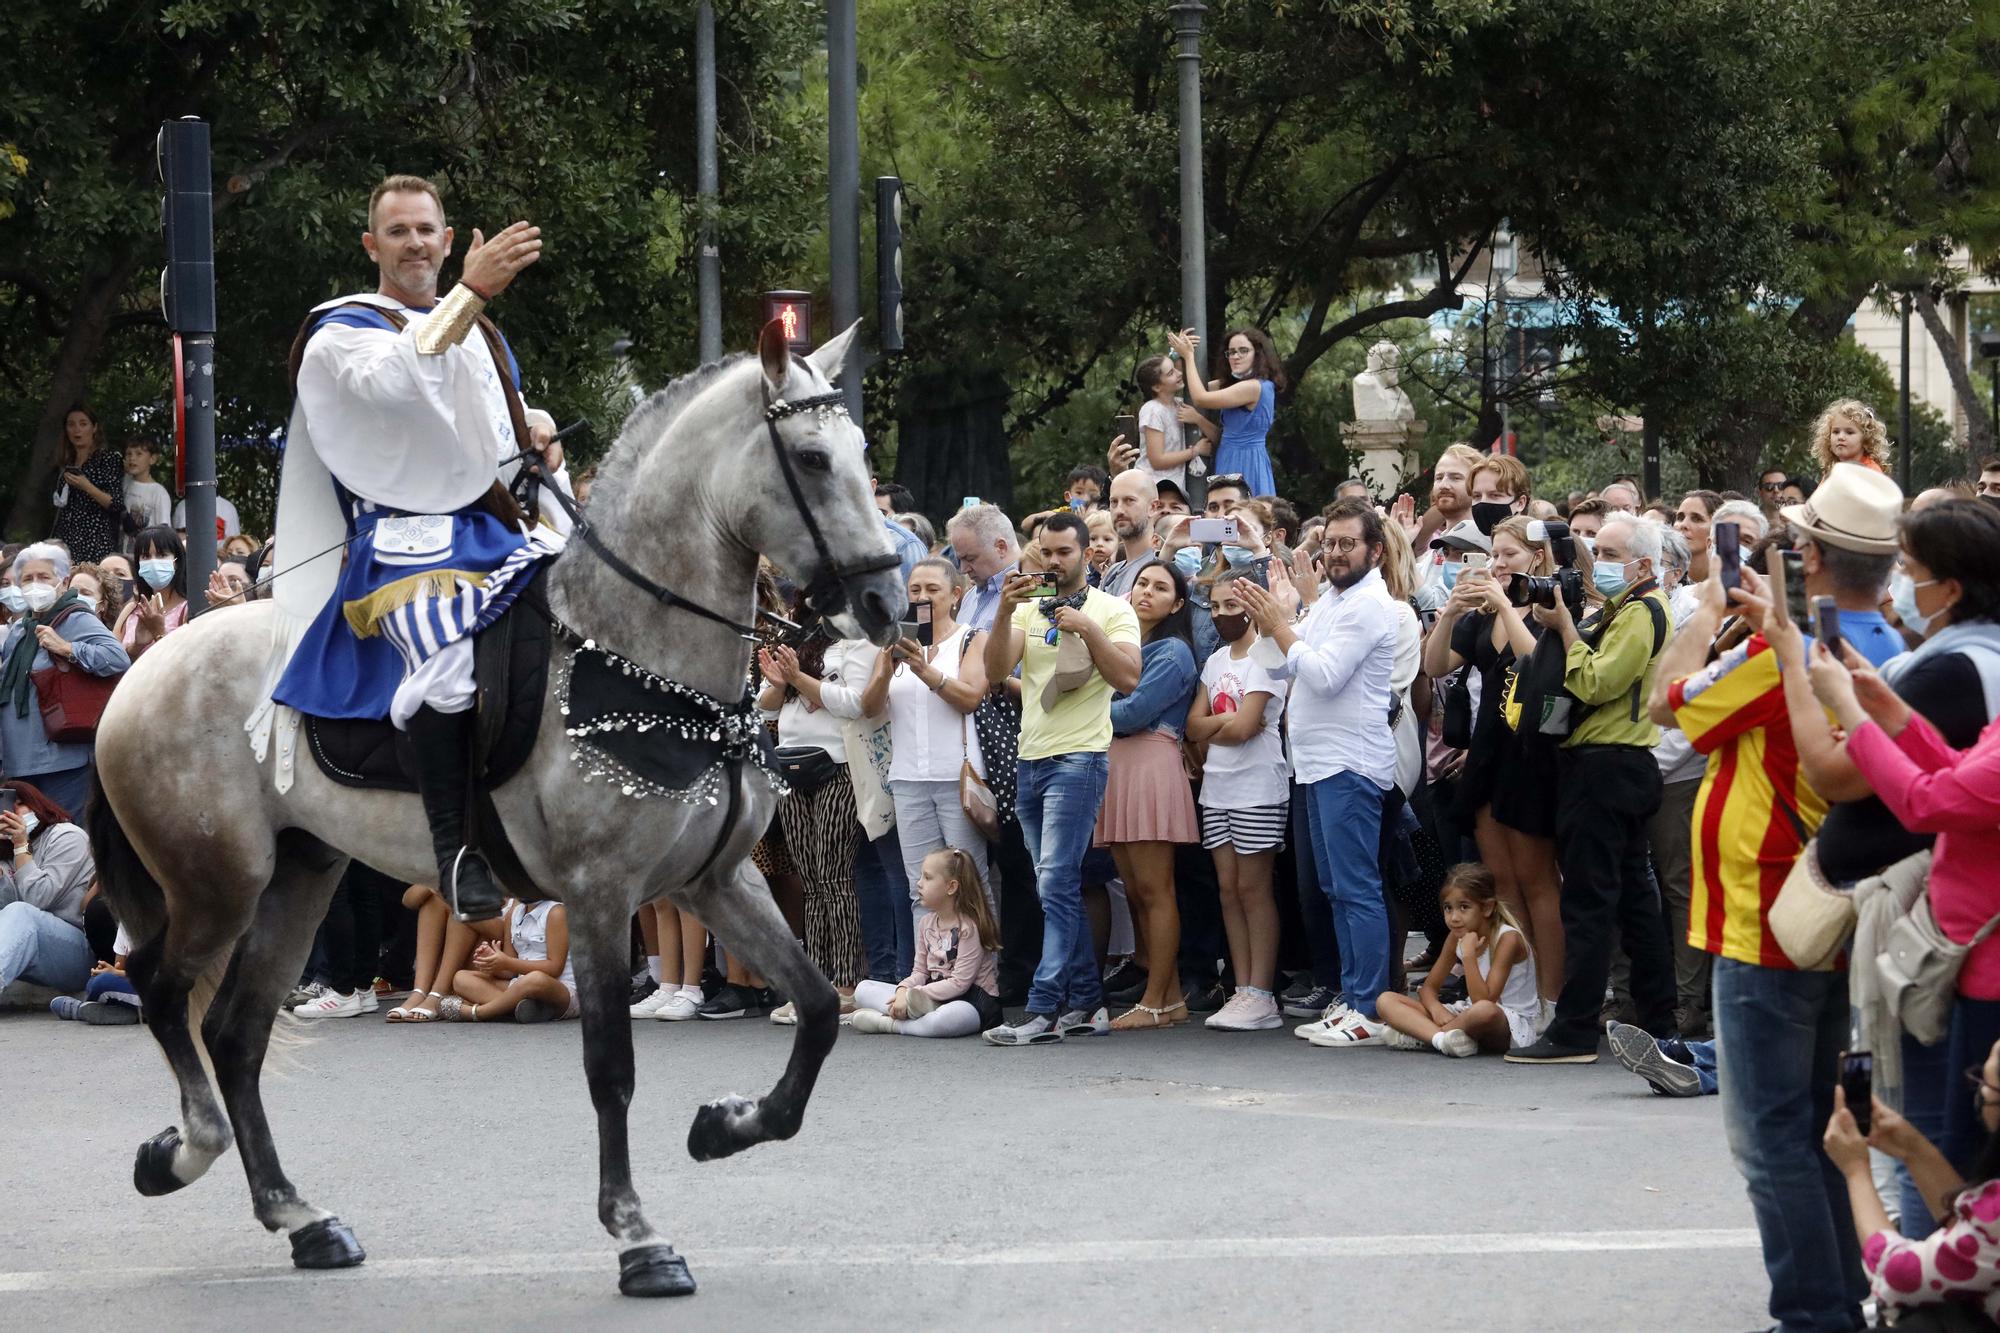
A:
[(1501, 1009), (1161, 453), (1245, 804)]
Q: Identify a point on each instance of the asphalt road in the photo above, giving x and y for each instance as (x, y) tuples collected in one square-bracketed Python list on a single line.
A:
[(1184, 1179)]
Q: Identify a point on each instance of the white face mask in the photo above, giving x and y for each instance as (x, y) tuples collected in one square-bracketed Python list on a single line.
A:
[(39, 596)]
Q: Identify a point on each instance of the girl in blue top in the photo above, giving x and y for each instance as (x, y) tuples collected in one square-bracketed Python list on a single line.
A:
[(1147, 804), (1248, 398)]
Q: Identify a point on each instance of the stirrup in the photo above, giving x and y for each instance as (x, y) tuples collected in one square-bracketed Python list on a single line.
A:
[(478, 911)]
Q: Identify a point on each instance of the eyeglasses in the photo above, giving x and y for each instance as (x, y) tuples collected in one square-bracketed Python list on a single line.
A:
[(1342, 544), (1241, 351)]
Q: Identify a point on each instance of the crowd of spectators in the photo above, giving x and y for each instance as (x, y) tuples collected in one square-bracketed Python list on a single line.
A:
[(1503, 773)]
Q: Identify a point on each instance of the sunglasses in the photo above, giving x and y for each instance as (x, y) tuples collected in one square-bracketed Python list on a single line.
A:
[(1770, 485)]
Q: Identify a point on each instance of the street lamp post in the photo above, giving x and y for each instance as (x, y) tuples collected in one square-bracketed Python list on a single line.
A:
[(1502, 262), (707, 183), (1903, 407), (1194, 227), (843, 186)]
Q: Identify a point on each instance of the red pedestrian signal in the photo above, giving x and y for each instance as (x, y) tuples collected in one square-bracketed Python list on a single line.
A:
[(794, 312)]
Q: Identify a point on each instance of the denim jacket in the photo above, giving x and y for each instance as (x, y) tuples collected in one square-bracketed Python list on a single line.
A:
[(1160, 701)]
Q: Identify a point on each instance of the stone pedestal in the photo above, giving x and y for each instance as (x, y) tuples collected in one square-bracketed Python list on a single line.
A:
[(1383, 454)]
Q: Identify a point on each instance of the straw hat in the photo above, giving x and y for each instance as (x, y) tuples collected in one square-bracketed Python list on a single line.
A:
[(1855, 508)]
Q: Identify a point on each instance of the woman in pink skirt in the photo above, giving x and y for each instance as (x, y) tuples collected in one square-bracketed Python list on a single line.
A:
[(1147, 804)]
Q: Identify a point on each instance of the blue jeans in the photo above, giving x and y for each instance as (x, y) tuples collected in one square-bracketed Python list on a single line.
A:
[(1345, 812), (36, 946), (1704, 1065), (1780, 1035), (1937, 1100), (882, 890), (1057, 800)]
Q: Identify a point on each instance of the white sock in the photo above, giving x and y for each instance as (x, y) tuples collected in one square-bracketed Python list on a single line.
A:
[(1437, 1042), (691, 990), (653, 968)]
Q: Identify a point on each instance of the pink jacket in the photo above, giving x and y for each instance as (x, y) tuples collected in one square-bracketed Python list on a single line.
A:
[(1955, 794), (943, 977)]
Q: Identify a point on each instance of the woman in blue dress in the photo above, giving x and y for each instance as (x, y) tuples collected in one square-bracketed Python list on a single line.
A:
[(1247, 395)]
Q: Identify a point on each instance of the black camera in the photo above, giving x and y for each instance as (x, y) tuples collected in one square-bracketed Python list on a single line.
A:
[(1566, 582)]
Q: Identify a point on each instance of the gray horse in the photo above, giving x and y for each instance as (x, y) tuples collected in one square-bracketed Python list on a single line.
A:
[(223, 879)]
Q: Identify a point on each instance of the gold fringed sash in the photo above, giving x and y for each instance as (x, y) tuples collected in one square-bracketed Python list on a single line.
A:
[(366, 614)]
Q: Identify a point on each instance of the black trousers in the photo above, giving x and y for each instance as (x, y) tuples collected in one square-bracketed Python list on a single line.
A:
[(353, 930), (1020, 911), (1605, 796)]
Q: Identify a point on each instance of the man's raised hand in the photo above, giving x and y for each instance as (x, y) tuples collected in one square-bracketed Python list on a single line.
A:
[(491, 265)]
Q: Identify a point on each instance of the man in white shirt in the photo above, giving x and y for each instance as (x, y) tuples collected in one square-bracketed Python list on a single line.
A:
[(1340, 660)]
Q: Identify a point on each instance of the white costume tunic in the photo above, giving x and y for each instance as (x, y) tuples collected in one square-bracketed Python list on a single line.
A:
[(399, 449)]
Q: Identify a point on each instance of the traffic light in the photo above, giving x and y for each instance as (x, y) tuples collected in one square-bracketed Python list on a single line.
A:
[(187, 284), (889, 262), (795, 311)]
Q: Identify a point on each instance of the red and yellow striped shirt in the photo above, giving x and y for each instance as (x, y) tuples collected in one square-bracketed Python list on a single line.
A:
[(1755, 810)]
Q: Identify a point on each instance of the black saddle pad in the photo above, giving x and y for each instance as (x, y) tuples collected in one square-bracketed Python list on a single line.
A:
[(680, 738), (511, 659)]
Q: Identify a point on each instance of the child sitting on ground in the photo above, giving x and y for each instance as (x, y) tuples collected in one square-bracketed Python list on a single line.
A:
[(110, 998), (527, 974), (953, 989), (1501, 1008)]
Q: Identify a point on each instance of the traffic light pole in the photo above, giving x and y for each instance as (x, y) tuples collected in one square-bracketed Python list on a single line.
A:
[(1194, 225), (188, 294), (707, 182), (843, 188)]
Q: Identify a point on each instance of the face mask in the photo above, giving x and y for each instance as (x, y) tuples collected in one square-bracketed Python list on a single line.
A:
[(157, 573), (1588, 545), (11, 598), (1448, 573), (1490, 514), (28, 822), (39, 596), (1903, 595), (1238, 555), (1608, 576), (1232, 628), (1188, 560)]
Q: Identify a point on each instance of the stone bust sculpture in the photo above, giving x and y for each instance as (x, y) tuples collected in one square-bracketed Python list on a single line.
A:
[(1376, 394)]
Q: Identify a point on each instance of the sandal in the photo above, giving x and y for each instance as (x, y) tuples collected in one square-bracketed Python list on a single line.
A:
[(401, 1013), (416, 1013), (1186, 1017), (1139, 1018), (453, 1009)]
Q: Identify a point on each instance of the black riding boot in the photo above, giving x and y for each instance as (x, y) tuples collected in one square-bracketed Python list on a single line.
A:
[(443, 745)]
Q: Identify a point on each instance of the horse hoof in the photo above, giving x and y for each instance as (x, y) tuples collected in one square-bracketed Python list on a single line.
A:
[(715, 1132), (153, 1168), (654, 1270), (326, 1243)]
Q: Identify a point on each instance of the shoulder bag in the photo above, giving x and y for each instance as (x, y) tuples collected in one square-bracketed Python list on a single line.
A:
[(72, 699), (1919, 967)]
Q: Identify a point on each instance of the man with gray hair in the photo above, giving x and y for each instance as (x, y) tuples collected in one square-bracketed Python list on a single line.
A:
[(988, 550), (1609, 787)]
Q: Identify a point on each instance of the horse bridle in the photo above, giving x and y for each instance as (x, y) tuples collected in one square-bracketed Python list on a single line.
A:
[(829, 592)]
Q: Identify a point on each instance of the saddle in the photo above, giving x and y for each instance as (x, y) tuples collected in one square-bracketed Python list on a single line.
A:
[(511, 674)]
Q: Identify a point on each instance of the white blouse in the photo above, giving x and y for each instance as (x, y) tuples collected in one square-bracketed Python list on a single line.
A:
[(925, 730), (843, 676)]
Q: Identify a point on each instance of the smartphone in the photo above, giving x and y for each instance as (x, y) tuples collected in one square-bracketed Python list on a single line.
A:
[(9, 800), (1793, 598), (1475, 560), (1857, 1081), (1826, 623), (1128, 426), (1047, 578), (923, 624), (1206, 530), (1724, 541), (967, 501)]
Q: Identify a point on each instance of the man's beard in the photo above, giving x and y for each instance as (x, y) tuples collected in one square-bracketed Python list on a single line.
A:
[(1358, 568), (1068, 582), (417, 276), (1126, 532)]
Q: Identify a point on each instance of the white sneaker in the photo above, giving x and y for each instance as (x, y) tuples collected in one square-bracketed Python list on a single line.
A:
[(868, 1020), (1077, 1023), (650, 1006), (331, 1005), (1457, 1043), (1246, 1013), (785, 1015), (369, 1004), (680, 1006), (1400, 1041), (1354, 1030), (1336, 1014)]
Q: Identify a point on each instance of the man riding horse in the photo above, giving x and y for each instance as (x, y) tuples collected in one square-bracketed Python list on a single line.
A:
[(411, 404)]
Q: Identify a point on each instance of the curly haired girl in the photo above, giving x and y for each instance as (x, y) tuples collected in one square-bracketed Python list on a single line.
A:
[(1850, 432)]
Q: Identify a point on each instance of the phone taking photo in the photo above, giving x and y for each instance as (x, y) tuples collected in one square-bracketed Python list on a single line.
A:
[(1207, 531), (1128, 426), (1725, 540), (1857, 1084), (1826, 624), (1788, 587), (923, 624)]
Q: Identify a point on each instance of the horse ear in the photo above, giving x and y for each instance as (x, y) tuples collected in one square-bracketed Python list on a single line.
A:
[(831, 358), (775, 354)]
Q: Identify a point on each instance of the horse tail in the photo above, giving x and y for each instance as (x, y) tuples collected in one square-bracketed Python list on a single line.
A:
[(137, 899)]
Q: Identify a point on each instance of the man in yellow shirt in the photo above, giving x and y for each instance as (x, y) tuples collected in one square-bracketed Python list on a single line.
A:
[(1075, 646)]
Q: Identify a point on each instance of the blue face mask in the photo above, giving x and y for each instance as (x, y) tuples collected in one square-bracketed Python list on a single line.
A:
[(1448, 572), (157, 573), (1238, 555), (1609, 577), (1188, 560)]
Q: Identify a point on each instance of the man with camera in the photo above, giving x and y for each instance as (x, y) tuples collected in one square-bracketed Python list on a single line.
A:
[(1609, 786), (1075, 645)]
